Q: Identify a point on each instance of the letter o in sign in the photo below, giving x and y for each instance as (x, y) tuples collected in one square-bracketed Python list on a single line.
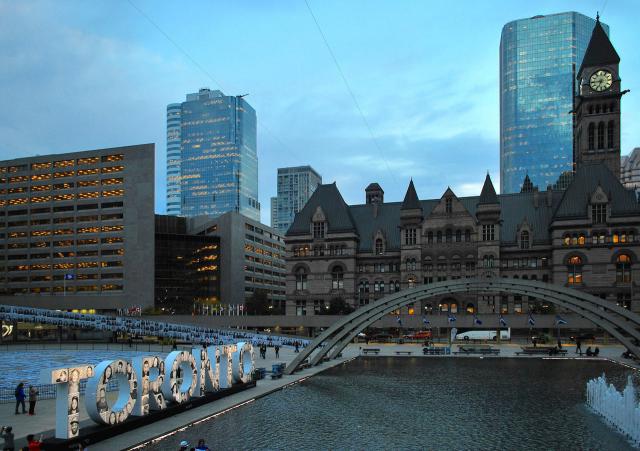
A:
[(179, 365), (243, 362), (96, 394)]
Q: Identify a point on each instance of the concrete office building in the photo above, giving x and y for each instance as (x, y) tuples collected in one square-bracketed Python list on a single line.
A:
[(295, 187), (251, 258), (212, 160), (76, 229), (539, 59)]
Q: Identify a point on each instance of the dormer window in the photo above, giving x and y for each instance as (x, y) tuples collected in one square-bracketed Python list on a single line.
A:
[(599, 213), (448, 205), (379, 246), (319, 229), (524, 240)]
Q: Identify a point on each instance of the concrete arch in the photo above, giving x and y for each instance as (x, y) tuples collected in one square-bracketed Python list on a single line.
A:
[(619, 322)]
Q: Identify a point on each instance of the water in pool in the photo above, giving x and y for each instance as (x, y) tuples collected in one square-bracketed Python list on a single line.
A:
[(417, 403)]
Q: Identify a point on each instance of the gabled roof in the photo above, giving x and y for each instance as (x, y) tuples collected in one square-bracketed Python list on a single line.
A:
[(600, 51), (333, 206), (411, 201), (586, 180), (488, 194)]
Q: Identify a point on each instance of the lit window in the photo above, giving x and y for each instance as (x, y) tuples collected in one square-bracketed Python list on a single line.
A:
[(623, 268), (574, 270)]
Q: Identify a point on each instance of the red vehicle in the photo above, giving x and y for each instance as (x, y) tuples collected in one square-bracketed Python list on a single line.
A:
[(420, 335)]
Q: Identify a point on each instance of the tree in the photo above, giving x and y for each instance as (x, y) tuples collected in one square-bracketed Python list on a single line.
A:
[(338, 306), (258, 303)]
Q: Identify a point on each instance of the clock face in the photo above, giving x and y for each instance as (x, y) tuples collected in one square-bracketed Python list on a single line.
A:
[(600, 80)]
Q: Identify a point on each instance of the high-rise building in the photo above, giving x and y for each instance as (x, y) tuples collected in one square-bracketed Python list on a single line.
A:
[(76, 229), (173, 158), (295, 187), (217, 162), (630, 170), (539, 60)]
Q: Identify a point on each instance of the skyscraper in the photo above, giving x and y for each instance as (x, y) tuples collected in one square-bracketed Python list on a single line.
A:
[(215, 169), (539, 58), (295, 187)]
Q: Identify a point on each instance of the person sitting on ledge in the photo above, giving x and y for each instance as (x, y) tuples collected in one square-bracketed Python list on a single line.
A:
[(626, 354), (589, 352), (596, 352)]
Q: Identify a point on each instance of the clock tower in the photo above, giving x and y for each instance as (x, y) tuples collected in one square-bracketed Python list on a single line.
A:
[(596, 134)]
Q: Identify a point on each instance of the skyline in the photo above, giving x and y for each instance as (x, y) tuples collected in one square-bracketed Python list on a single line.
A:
[(124, 72)]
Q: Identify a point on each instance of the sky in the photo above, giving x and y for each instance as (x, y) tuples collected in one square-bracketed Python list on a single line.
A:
[(78, 75)]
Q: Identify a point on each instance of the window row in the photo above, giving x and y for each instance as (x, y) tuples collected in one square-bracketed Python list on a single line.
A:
[(598, 139), (579, 239), (449, 236), (60, 175), (63, 208), (62, 186), (575, 264)]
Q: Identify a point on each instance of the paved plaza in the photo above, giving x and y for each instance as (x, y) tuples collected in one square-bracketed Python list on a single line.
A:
[(44, 420)]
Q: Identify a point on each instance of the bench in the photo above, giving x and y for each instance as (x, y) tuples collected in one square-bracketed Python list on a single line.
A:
[(404, 352), (479, 350), (544, 350), (367, 351), (432, 350)]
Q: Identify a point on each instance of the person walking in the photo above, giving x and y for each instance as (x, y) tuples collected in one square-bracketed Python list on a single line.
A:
[(7, 435), (20, 397), (33, 397), (578, 346), (277, 349)]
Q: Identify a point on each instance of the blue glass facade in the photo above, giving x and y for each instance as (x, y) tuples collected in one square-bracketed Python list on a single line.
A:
[(173, 158), (538, 60), (218, 162)]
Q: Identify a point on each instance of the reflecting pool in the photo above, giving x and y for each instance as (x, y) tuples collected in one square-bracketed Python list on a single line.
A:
[(423, 403)]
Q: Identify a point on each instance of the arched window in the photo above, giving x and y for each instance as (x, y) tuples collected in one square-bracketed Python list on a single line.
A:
[(382, 286), (301, 279), (598, 109), (363, 287), (439, 236), (337, 278), (610, 129), (623, 268), (566, 240), (454, 307), (458, 236), (574, 270), (444, 307), (379, 246), (448, 203), (376, 286), (592, 132), (524, 239), (430, 237), (467, 235), (397, 285), (590, 109), (319, 229), (581, 239), (471, 308), (601, 135), (449, 235), (411, 264), (411, 281)]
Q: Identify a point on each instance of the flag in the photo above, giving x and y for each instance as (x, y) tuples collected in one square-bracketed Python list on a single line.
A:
[(425, 321), (399, 321), (476, 320), (451, 318), (503, 323), (559, 320), (531, 321)]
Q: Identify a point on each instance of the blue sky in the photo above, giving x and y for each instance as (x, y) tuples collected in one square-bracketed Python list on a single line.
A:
[(80, 75)]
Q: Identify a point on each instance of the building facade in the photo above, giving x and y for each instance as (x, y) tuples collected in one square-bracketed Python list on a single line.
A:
[(295, 187), (539, 58), (217, 161), (251, 258), (630, 170), (77, 229), (187, 270), (583, 236)]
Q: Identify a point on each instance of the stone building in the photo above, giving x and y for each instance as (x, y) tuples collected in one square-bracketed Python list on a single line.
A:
[(582, 234)]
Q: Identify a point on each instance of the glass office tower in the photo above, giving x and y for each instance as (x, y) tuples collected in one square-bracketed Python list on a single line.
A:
[(538, 60), (218, 161), (295, 187), (173, 158)]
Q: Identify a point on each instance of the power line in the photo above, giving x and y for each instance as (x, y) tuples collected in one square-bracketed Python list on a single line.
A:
[(349, 90), (203, 70)]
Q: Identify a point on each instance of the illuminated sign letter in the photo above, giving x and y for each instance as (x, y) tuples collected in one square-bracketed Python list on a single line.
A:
[(243, 362), (150, 375), (181, 365), (208, 363), (225, 370)]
